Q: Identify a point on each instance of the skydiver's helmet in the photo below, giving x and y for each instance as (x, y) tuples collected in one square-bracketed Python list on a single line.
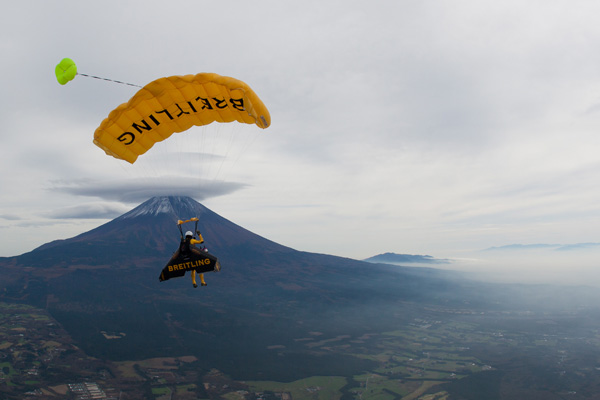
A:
[(189, 234)]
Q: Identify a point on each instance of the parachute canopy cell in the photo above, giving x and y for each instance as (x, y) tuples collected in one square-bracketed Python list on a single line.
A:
[(175, 104), (65, 71)]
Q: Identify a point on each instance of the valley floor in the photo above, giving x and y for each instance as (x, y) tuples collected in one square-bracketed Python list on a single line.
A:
[(444, 354)]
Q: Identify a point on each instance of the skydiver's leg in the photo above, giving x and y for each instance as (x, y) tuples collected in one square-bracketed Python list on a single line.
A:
[(194, 278), (202, 280)]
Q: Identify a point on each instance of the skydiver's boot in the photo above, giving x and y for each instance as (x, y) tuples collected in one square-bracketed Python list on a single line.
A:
[(202, 280), (195, 286)]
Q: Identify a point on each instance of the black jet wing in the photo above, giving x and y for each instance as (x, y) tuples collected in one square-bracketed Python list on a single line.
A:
[(196, 260)]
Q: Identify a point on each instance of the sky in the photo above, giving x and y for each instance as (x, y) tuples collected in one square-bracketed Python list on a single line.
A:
[(414, 126)]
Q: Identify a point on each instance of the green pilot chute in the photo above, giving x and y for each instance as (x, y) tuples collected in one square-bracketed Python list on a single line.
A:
[(65, 71)]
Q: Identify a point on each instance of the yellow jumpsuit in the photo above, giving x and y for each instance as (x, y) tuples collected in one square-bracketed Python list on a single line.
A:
[(194, 241)]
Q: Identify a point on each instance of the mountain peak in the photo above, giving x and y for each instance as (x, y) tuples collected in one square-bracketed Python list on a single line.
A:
[(177, 206)]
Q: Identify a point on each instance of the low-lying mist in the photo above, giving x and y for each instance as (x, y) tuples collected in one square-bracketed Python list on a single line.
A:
[(535, 265)]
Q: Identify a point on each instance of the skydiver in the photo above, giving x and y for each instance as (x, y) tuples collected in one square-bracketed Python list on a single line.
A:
[(187, 246)]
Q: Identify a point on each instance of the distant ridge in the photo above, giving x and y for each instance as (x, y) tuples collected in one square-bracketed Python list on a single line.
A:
[(393, 258), (538, 246)]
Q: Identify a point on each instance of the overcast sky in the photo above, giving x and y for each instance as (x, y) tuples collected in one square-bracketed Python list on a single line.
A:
[(412, 126)]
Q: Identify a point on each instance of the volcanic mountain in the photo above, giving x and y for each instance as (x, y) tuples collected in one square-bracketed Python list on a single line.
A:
[(266, 294), (142, 241)]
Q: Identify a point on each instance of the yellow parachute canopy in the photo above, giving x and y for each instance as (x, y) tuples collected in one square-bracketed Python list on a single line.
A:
[(175, 104)]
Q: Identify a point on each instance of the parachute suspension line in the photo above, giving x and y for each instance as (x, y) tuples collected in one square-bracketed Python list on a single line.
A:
[(234, 140), (247, 144), (200, 149), (223, 142), (109, 80), (212, 146), (230, 140), (203, 146)]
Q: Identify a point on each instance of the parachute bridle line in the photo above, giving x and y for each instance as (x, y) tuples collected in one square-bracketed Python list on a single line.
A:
[(109, 80)]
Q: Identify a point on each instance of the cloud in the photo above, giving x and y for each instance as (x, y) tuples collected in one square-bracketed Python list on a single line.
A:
[(10, 217), (88, 211), (140, 190)]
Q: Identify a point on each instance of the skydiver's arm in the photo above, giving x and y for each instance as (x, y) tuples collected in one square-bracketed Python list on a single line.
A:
[(200, 238)]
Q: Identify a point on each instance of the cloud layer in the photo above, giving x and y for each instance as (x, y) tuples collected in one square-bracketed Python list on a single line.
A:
[(139, 190)]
